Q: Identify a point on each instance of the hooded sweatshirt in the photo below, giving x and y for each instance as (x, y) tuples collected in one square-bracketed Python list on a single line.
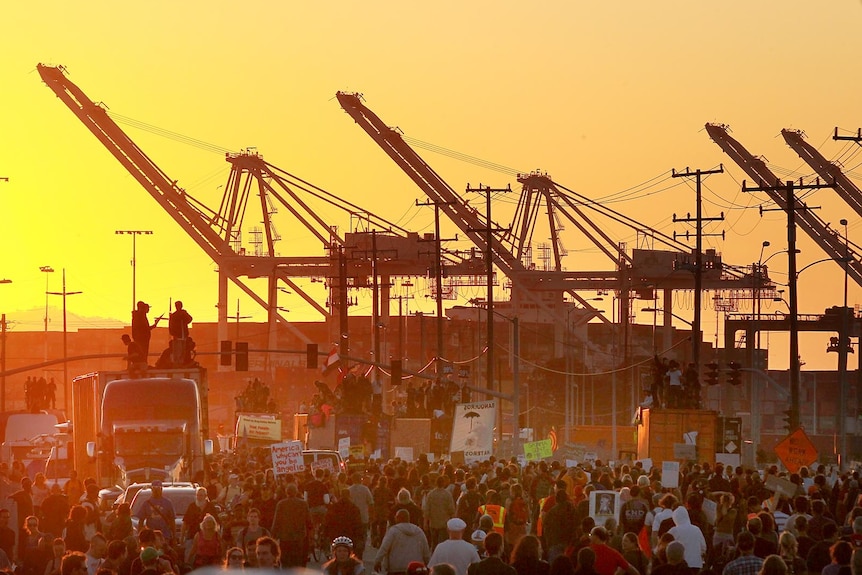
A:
[(402, 544), (690, 536)]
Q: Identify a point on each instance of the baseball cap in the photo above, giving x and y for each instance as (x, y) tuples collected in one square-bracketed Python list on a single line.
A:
[(150, 554), (416, 568), (456, 524), (156, 483), (478, 536)]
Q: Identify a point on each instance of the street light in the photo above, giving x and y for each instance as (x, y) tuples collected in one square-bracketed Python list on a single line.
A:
[(46, 270), (3, 355), (134, 234), (65, 293)]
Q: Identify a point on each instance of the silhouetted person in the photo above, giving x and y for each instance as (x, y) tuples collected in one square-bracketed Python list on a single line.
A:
[(135, 360), (51, 394), (141, 328), (178, 327)]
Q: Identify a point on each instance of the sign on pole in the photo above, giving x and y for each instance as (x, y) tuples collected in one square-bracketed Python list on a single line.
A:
[(796, 450), (287, 458)]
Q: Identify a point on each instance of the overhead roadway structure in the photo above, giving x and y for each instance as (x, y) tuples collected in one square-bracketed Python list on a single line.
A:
[(219, 232), (641, 272), (818, 230)]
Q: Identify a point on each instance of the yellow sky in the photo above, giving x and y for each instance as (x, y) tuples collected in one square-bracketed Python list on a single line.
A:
[(603, 96)]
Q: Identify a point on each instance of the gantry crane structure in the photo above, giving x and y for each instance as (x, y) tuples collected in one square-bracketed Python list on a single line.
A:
[(818, 230), (376, 247), (640, 272)]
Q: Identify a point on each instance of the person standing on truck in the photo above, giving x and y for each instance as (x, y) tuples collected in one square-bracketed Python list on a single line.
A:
[(141, 328), (178, 328), (158, 512), (136, 361)]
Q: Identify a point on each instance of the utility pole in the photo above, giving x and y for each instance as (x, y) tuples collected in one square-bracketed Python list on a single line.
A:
[(3, 362), (65, 293), (489, 263), (438, 279), (792, 278), (134, 234), (697, 336), (238, 317)]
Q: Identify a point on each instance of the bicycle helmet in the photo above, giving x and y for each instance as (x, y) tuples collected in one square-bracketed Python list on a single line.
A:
[(343, 542)]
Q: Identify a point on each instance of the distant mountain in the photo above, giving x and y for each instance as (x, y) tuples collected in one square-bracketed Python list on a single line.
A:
[(34, 320)]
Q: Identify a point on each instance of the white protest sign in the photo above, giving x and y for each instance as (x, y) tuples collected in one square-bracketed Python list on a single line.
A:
[(344, 447), (404, 453), (287, 458), (647, 463), (670, 474)]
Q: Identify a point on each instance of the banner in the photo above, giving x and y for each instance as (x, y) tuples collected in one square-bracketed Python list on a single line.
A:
[(256, 427), (287, 458), (473, 430)]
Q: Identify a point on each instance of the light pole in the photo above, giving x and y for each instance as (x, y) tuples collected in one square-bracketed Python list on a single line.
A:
[(134, 234), (843, 345), (65, 293), (46, 270), (3, 355)]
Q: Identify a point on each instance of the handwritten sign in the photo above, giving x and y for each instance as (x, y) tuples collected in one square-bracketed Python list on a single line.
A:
[(357, 452), (780, 486), (536, 450), (404, 453), (323, 463), (287, 458)]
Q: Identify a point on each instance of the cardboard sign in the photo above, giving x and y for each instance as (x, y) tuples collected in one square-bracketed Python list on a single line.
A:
[(536, 450), (344, 447), (780, 486), (457, 458), (710, 509), (796, 451), (287, 458), (670, 474)]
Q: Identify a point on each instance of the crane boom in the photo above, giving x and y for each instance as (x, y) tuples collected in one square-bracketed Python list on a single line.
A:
[(808, 221), (846, 189), (468, 220)]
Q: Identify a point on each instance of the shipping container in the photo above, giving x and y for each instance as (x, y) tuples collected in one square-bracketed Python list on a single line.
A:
[(677, 435)]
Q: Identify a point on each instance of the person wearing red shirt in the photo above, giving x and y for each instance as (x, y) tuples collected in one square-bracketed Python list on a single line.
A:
[(608, 559)]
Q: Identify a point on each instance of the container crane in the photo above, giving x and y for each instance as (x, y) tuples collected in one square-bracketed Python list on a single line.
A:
[(808, 221)]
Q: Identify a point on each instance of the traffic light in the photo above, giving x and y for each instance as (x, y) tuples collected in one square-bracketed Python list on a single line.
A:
[(396, 372), (711, 375), (226, 352), (311, 356), (833, 345), (734, 377), (788, 420), (242, 356)]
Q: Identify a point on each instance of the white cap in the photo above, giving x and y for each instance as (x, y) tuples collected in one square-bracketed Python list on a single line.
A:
[(456, 524)]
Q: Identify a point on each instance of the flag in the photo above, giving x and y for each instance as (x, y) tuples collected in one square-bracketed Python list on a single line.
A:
[(552, 435), (332, 361)]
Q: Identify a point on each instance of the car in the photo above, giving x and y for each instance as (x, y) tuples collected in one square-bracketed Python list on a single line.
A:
[(314, 458), (180, 495)]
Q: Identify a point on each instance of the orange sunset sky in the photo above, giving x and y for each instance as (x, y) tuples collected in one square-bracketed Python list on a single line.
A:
[(605, 96)]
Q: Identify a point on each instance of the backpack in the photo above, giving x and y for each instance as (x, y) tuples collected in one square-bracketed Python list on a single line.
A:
[(518, 512), (665, 526), (543, 486), (468, 506)]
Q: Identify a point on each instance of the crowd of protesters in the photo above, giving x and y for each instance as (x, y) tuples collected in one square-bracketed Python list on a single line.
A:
[(495, 517)]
